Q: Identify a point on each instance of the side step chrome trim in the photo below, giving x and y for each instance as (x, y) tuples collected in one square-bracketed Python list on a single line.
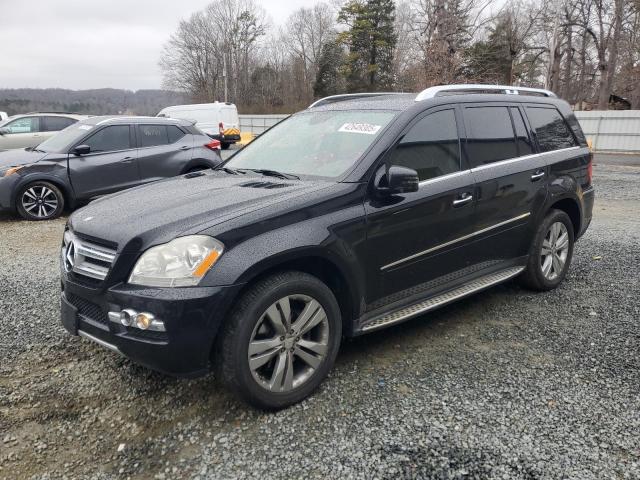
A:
[(454, 241), (102, 343), (442, 299)]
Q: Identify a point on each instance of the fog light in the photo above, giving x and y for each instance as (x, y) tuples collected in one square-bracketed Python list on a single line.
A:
[(127, 317), (144, 320)]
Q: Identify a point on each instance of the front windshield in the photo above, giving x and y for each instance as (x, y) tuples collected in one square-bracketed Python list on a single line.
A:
[(62, 140), (322, 144)]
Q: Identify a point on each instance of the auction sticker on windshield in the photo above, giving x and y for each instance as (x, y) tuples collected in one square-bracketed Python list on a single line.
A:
[(365, 128)]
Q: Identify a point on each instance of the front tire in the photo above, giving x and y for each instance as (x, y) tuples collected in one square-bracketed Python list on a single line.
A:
[(225, 145), (40, 201), (551, 252), (280, 341)]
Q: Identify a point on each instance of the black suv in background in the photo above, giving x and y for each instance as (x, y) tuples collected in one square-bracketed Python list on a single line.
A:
[(354, 215), (98, 156)]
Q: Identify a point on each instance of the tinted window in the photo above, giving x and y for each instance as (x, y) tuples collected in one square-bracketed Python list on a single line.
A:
[(522, 137), (175, 133), (109, 139), (551, 130), (490, 135), (152, 135), (431, 147), (55, 124), (24, 125)]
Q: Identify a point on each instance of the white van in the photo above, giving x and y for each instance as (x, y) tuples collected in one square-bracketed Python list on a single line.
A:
[(219, 120)]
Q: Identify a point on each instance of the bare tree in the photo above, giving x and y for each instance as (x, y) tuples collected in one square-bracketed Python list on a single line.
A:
[(308, 29)]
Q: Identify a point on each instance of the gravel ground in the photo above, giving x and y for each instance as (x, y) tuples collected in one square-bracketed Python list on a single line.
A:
[(505, 384)]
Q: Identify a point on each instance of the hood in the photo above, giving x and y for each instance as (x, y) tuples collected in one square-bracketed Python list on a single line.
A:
[(158, 212), (12, 158)]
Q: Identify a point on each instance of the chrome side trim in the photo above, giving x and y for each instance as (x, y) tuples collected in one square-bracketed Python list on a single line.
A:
[(523, 158), (501, 163), (454, 241), (444, 177), (442, 299), (102, 343)]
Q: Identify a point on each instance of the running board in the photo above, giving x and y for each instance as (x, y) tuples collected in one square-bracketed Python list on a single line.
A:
[(441, 299)]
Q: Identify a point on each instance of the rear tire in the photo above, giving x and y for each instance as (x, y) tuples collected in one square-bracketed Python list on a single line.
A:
[(280, 340), (40, 201), (551, 252)]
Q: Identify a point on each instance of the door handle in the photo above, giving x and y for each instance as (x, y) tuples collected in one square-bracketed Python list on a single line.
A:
[(126, 160), (537, 175), (463, 199), (185, 147)]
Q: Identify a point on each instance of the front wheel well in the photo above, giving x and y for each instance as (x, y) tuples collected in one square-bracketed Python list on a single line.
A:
[(68, 199), (571, 208), (325, 271)]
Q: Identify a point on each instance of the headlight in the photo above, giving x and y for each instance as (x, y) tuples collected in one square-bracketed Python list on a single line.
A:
[(180, 263), (10, 171)]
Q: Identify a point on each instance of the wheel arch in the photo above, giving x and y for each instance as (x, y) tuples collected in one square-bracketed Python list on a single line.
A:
[(571, 207), (65, 188), (315, 263)]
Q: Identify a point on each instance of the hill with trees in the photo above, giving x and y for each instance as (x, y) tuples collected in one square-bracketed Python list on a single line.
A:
[(104, 101)]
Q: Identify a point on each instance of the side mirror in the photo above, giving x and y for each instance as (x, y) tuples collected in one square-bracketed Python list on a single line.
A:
[(4, 130), (398, 180), (81, 150)]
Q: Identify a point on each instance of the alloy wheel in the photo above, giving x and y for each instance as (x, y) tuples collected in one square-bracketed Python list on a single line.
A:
[(39, 201), (555, 248), (289, 343)]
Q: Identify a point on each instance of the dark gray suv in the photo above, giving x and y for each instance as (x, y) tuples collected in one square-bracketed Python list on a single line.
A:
[(99, 156)]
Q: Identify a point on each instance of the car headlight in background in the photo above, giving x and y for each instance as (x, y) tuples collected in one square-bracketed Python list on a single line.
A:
[(180, 263), (10, 171)]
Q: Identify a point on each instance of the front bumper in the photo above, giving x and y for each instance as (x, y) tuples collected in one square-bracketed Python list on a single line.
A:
[(8, 187), (191, 317), (232, 138)]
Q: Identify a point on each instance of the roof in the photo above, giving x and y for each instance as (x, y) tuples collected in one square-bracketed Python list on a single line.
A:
[(114, 119)]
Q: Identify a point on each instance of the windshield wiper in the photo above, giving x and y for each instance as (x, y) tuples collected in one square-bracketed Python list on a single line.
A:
[(274, 173)]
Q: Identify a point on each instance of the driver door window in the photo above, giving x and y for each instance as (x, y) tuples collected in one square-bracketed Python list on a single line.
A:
[(110, 139), (24, 125), (431, 147)]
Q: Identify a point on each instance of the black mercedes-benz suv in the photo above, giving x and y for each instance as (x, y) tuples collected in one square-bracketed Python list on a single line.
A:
[(354, 215)]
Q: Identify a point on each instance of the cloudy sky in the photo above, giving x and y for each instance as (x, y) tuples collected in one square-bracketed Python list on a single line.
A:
[(95, 43)]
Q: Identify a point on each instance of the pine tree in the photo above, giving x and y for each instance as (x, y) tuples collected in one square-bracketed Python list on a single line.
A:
[(329, 79), (371, 40)]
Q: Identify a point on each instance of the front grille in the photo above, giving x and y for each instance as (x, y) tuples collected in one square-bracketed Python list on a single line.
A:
[(86, 259), (87, 309)]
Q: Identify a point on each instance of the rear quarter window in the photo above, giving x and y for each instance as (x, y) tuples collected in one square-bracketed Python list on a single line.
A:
[(552, 132)]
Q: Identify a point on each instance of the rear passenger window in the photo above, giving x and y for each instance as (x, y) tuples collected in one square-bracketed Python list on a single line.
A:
[(522, 137), (551, 130), (431, 147), (109, 139), (490, 135), (175, 133), (152, 135), (55, 124)]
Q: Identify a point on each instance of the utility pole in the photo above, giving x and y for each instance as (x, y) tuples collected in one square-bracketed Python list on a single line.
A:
[(224, 74)]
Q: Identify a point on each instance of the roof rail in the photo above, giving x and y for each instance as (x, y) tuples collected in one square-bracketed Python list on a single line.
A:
[(347, 96), (432, 92), (54, 112)]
